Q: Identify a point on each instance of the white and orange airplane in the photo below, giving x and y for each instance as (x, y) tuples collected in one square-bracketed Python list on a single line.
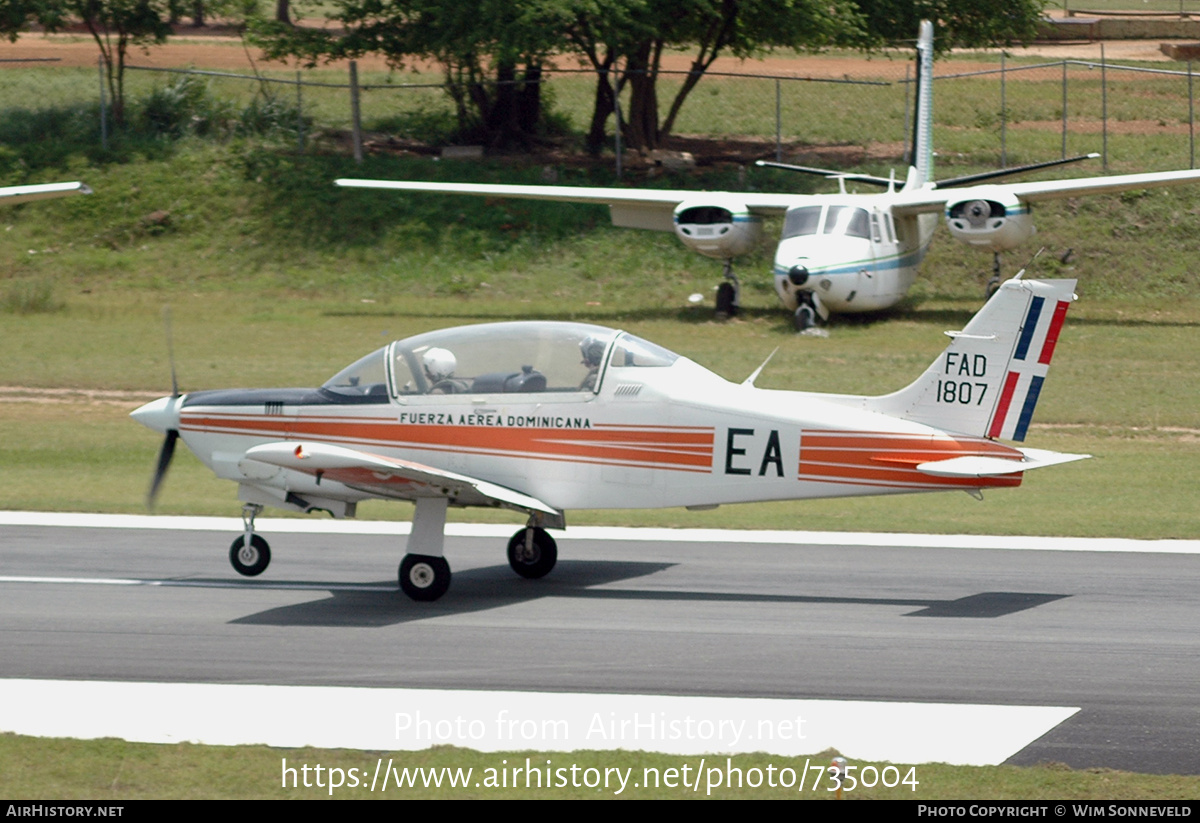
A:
[(540, 417)]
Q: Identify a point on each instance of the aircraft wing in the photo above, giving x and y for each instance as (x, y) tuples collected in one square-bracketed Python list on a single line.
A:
[(393, 478), (12, 195), (631, 208), (1057, 189), (929, 200)]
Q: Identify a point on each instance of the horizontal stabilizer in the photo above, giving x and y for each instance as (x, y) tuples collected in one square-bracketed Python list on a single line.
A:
[(983, 466)]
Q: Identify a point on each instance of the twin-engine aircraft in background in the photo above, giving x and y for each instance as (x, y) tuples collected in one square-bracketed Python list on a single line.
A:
[(839, 252), (541, 417)]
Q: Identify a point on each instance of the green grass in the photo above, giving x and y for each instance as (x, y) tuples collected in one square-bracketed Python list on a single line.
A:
[(103, 770)]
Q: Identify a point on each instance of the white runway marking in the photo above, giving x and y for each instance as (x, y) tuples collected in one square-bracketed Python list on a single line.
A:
[(297, 526), (413, 719)]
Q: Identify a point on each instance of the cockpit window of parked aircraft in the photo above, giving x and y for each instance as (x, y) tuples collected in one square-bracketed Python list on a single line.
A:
[(848, 221), (802, 221)]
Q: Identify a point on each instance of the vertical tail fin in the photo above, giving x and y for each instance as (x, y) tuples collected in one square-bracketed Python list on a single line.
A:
[(921, 171), (987, 381)]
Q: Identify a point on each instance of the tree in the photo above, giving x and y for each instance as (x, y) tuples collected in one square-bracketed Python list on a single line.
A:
[(635, 34), (957, 23), (491, 52), (115, 25)]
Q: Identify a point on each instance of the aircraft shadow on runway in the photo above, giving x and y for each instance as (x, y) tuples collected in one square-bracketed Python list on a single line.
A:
[(494, 587)]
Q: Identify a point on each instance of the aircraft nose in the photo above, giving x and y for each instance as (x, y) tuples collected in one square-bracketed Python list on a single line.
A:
[(161, 415)]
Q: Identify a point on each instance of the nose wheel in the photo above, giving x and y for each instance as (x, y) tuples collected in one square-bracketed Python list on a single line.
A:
[(250, 559), (810, 313), (249, 554)]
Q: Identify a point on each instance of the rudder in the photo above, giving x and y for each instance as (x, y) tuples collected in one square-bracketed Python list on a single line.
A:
[(988, 380)]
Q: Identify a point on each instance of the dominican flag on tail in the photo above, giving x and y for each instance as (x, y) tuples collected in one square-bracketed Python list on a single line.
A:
[(988, 380), (1027, 369)]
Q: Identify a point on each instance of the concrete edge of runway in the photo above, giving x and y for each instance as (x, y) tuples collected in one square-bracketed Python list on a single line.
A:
[(662, 535), (397, 719)]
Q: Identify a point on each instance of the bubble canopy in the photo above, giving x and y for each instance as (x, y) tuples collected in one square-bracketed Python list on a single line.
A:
[(520, 357)]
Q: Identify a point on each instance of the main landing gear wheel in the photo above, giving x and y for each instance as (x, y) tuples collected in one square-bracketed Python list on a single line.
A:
[(251, 560), (726, 301), (424, 578), (532, 561)]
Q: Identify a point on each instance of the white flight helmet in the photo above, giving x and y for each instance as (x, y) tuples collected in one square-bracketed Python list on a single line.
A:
[(439, 364)]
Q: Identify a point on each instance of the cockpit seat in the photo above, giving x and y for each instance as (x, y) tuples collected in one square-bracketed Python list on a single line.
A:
[(526, 380)]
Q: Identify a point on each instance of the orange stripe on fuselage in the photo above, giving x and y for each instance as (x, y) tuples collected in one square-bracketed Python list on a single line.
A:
[(670, 447), (877, 458)]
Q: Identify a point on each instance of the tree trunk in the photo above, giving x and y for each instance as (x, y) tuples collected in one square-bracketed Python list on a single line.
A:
[(282, 11), (641, 121), (529, 99), (603, 107)]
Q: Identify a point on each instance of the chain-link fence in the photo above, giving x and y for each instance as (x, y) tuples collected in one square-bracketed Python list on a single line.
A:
[(990, 111)]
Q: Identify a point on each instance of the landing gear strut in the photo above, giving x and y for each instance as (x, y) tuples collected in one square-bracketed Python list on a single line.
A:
[(729, 294), (249, 554), (993, 284)]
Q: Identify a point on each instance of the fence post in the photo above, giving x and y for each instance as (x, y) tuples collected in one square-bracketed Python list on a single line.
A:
[(103, 107), (909, 137), (1003, 112), (299, 114), (778, 124), (1192, 124), (1064, 111), (355, 113), (1103, 109), (617, 131)]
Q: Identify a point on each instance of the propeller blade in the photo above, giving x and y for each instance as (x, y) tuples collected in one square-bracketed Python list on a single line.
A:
[(160, 470)]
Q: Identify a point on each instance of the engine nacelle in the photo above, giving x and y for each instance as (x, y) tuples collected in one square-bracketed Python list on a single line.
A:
[(716, 226), (989, 217)]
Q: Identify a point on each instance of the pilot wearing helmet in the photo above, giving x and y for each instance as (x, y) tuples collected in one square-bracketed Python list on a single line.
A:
[(591, 349), (439, 367)]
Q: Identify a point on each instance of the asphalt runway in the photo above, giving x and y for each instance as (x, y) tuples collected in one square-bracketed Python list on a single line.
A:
[(1110, 632)]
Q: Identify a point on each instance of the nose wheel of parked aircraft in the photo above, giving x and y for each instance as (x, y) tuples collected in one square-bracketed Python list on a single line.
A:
[(423, 577), (808, 314), (532, 553)]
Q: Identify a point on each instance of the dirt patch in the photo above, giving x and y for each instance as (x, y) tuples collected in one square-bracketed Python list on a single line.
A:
[(1096, 126), (91, 397)]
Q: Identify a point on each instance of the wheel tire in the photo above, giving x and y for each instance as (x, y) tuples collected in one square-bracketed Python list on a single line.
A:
[(993, 286), (544, 555), (726, 307), (424, 578), (804, 318), (251, 560)]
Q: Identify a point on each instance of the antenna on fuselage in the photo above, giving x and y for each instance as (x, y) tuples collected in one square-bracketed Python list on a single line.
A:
[(1019, 274)]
